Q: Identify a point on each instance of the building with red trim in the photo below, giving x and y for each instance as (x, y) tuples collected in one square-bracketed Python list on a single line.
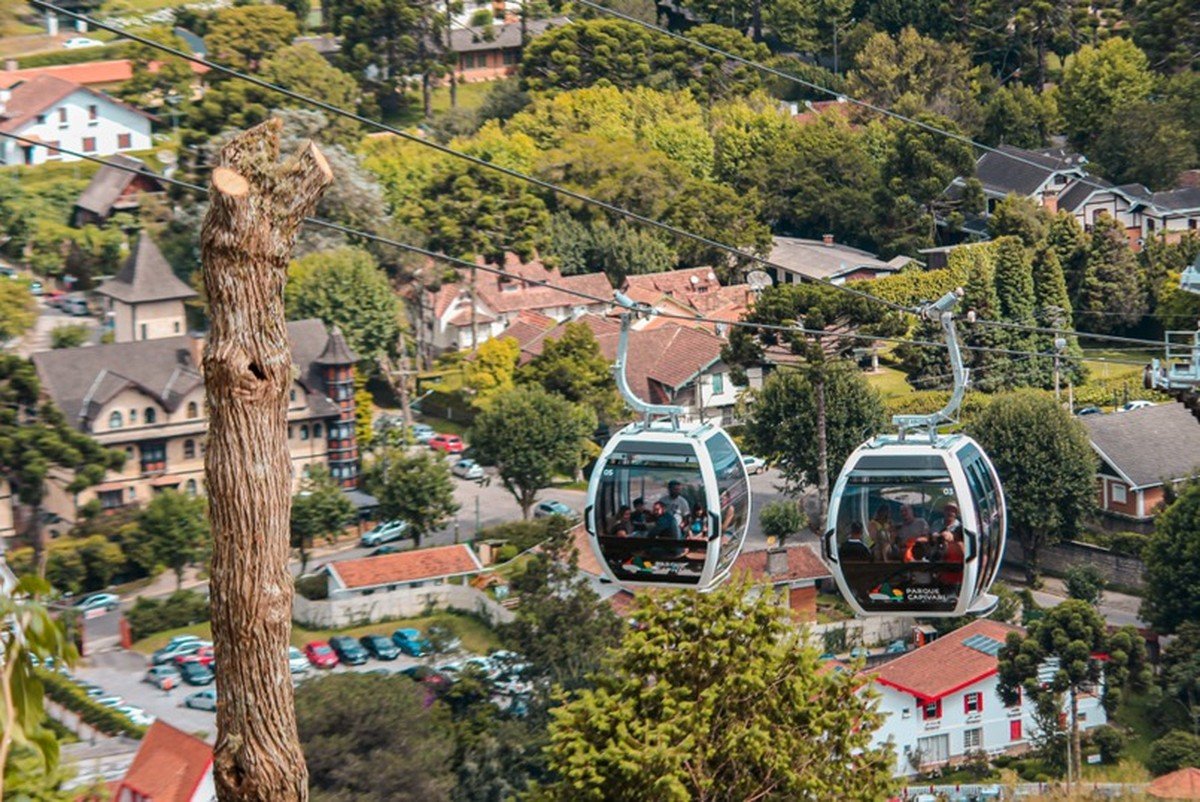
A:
[(940, 702), (170, 766)]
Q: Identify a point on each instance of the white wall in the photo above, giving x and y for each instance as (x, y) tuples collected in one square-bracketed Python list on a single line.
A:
[(207, 790), (113, 119), (904, 724), (404, 603)]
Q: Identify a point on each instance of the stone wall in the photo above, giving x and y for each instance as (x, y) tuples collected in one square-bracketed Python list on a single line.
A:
[(876, 631), (402, 603), (1058, 559)]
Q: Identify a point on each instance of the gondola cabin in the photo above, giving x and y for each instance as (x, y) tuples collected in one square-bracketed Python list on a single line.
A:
[(916, 527), (668, 507)]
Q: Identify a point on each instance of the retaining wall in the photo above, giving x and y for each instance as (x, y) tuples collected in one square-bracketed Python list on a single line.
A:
[(401, 603), (1117, 569)]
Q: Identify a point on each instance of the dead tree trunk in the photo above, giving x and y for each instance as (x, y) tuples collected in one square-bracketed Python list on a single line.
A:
[(257, 205)]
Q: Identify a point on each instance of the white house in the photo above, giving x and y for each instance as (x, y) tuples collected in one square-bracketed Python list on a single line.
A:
[(170, 766), (407, 569), (940, 702), (55, 112)]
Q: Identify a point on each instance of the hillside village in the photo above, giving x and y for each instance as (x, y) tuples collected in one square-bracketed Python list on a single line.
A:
[(824, 242)]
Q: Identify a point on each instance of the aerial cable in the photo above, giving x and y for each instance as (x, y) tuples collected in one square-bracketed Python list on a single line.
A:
[(491, 269)]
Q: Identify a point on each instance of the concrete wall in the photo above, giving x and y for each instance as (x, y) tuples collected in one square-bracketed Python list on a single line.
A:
[(864, 631), (1115, 568), (404, 603)]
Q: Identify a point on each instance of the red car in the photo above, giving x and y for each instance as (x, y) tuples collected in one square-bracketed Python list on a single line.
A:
[(204, 657), (320, 654), (447, 443)]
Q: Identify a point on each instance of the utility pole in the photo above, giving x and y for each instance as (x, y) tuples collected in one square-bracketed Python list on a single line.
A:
[(474, 307), (822, 443), (1060, 345)]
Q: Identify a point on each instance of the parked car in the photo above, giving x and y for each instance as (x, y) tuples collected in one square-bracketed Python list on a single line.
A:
[(754, 465), (162, 676), (75, 305), (35, 288), (423, 432), (447, 443), (389, 549), (468, 469), (426, 675), (53, 297), (196, 674), (136, 715), (896, 647), (77, 42), (297, 662), (202, 700), (1088, 411), (178, 639), (320, 655), (204, 656), (544, 509), (386, 532), (98, 601), (1130, 406), (380, 647), (349, 651), (168, 654), (410, 642)]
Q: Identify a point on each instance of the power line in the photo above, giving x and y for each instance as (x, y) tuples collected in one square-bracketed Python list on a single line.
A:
[(463, 263), (555, 188)]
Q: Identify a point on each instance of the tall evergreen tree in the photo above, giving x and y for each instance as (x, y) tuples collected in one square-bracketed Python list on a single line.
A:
[(1053, 308), (988, 369), (1112, 293), (1014, 291)]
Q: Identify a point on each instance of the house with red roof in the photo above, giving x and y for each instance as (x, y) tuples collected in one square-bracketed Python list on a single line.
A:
[(695, 291), (792, 575), (407, 569), (170, 766), (457, 314), (51, 112), (940, 701)]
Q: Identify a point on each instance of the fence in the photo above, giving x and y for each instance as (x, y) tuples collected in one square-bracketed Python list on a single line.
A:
[(400, 603)]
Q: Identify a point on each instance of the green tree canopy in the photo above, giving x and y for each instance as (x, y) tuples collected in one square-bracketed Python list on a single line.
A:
[(1046, 465), (1112, 288), (714, 696), (302, 69), (1075, 636), (176, 525), (346, 288), (1172, 558), (243, 37), (372, 738), (1098, 82), (1180, 669), (782, 519), (1145, 143), (1169, 33), (170, 81), (530, 436), (1175, 750), (18, 309), (1017, 115), (416, 488), (491, 371), (572, 366), (320, 509)]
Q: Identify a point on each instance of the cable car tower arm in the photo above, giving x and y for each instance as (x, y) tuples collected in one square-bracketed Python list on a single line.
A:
[(941, 310), (635, 310)]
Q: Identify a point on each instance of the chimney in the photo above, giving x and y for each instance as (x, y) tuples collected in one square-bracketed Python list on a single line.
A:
[(195, 346), (1050, 200), (5, 96), (777, 562), (10, 64), (827, 239)]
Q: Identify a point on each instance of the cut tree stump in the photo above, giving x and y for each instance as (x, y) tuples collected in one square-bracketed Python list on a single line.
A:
[(256, 207)]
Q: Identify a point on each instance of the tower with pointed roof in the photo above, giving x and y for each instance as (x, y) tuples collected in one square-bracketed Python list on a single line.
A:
[(337, 363), (145, 298)]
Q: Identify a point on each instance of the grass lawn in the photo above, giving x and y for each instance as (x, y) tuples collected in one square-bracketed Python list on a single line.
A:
[(475, 635), (890, 382), (470, 96), (1141, 715)]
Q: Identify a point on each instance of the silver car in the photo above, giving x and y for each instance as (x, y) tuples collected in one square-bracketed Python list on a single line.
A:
[(202, 700), (297, 662), (468, 469)]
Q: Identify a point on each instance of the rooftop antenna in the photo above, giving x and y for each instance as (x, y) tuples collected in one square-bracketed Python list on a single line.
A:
[(634, 310)]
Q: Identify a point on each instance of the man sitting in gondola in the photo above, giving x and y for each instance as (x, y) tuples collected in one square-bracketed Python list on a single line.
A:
[(665, 527), (854, 550)]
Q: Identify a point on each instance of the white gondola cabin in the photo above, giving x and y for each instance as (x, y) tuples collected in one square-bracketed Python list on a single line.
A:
[(668, 506)]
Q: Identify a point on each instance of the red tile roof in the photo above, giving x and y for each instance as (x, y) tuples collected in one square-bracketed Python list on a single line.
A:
[(503, 294), (676, 283), (587, 562), (30, 98), (802, 563), (407, 566), (695, 290), (169, 765), (946, 665), (1182, 784), (87, 73)]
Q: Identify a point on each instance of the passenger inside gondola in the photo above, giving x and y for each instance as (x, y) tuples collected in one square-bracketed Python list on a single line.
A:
[(854, 550)]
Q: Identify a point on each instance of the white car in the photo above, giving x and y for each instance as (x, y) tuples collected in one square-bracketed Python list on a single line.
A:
[(202, 700), (297, 662), (386, 532), (136, 715), (754, 465), (468, 469), (99, 601), (1139, 404), (77, 42), (162, 677)]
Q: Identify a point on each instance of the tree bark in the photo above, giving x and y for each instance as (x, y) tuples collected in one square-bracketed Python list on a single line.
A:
[(256, 207), (1076, 760)]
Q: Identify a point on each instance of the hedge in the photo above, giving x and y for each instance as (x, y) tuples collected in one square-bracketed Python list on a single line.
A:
[(181, 609), (78, 56), (74, 698)]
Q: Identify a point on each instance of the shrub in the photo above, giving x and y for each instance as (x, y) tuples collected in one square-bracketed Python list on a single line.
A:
[(314, 587), (71, 336), (524, 534), (1173, 751), (1086, 583), (506, 552), (181, 609), (52, 59), (71, 696), (1129, 544), (1110, 741)]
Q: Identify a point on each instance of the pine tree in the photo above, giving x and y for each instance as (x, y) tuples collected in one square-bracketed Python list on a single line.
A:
[(988, 369), (1014, 291), (1070, 243), (1112, 291), (1053, 308)]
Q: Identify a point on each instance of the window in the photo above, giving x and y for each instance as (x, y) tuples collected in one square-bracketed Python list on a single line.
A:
[(1014, 730), (62, 118), (189, 449), (124, 141), (89, 146), (176, 326), (1118, 494), (154, 456), (934, 749), (115, 421), (1192, 223), (190, 487), (41, 119), (292, 396), (932, 710), (972, 739), (316, 430), (111, 499), (93, 112), (1150, 224), (718, 381), (291, 433), (1017, 703), (192, 410), (52, 151), (144, 337), (304, 432), (511, 57), (132, 416), (150, 416), (973, 703)]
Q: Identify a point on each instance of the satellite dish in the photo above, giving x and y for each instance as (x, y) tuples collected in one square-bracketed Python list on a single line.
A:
[(758, 280), (167, 156)]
